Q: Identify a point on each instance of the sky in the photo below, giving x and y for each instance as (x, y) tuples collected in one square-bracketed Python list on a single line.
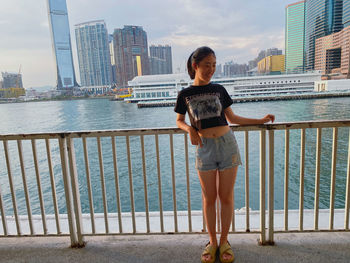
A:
[(236, 30)]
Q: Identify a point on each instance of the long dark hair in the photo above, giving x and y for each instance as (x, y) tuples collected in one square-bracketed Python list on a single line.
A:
[(196, 57)]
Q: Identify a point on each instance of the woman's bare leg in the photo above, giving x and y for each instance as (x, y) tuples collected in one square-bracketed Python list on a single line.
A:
[(227, 180), (209, 193)]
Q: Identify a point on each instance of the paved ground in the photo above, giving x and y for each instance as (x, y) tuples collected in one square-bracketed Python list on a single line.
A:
[(317, 247)]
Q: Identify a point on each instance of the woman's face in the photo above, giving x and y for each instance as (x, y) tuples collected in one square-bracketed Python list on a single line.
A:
[(205, 69)]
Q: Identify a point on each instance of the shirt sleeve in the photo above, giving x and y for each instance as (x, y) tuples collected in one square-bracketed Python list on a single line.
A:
[(227, 100), (180, 106)]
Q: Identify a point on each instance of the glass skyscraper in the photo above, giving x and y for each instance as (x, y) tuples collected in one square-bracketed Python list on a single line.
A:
[(322, 18), (346, 13), (295, 24), (60, 34), (93, 53)]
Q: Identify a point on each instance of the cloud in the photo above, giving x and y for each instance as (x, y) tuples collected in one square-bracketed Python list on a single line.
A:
[(237, 30)]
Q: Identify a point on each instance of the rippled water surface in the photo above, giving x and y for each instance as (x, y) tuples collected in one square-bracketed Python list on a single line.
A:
[(102, 114)]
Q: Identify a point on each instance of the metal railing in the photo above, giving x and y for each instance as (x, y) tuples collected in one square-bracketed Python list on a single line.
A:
[(129, 182)]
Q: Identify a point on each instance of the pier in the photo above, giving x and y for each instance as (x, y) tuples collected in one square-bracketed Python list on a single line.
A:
[(300, 96)]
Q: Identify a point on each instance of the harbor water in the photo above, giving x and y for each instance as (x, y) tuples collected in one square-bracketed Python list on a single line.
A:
[(103, 114)]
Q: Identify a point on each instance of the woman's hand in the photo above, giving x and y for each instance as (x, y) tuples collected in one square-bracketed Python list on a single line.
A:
[(195, 138), (268, 117)]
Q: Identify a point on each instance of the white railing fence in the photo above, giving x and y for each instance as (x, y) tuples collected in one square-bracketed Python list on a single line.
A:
[(142, 181)]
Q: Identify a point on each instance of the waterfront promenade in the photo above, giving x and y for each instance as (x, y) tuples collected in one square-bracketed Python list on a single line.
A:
[(297, 247), (318, 209)]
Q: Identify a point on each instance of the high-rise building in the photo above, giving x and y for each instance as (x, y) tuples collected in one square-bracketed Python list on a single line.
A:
[(332, 55), (11, 80), (93, 53), (273, 52), (157, 65), (218, 71), (295, 25), (262, 54), (231, 69), (61, 43), (322, 18), (271, 65), (11, 86), (161, 55), (332, 52), (131, 53), (346, 13)]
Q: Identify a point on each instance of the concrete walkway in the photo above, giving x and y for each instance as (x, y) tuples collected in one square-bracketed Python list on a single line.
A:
[(316, 247)]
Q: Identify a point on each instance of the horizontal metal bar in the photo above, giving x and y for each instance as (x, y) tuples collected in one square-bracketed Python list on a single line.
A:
[(173, 130), (311, 231), (168, 233)]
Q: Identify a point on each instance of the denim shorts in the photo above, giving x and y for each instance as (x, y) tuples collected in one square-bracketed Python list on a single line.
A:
[(218, 153)]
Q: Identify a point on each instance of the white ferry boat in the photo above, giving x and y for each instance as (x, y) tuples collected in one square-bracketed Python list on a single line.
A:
[(166, 87)]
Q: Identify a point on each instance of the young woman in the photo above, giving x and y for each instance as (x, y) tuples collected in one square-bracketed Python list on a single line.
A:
[(208, 107)]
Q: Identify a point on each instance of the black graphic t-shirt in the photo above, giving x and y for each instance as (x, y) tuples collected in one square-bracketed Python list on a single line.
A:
[(205, 105)]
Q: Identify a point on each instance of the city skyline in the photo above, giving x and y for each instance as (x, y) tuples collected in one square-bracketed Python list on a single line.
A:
[(236, 31)]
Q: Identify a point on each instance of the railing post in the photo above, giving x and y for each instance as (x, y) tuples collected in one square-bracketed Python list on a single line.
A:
[(75, 191), (271, 187), (262, 240), (347, 194), (301, 186), (12, 188), (317, 177), (68, 191), (3, 215), (286, 179)]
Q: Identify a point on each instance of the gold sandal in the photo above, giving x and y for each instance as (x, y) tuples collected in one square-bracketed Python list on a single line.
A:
[(209, 250), (226, 249)]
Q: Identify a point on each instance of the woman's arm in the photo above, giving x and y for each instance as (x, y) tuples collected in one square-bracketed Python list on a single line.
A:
[(194, 136), (233, 118)]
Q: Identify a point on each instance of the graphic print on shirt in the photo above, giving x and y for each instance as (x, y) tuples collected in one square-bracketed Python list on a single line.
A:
[(204, 106)]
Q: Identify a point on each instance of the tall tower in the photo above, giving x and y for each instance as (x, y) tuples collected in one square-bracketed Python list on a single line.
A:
[(93, 53), (161, 53), (295, 25), (322, 18), (61, 44), (131, 53)]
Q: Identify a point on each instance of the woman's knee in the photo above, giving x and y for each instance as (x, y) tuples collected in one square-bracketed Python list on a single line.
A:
[(209, 199), (226, 199)]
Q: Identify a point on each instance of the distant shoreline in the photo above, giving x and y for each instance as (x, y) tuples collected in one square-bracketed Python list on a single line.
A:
[(56, 99)]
